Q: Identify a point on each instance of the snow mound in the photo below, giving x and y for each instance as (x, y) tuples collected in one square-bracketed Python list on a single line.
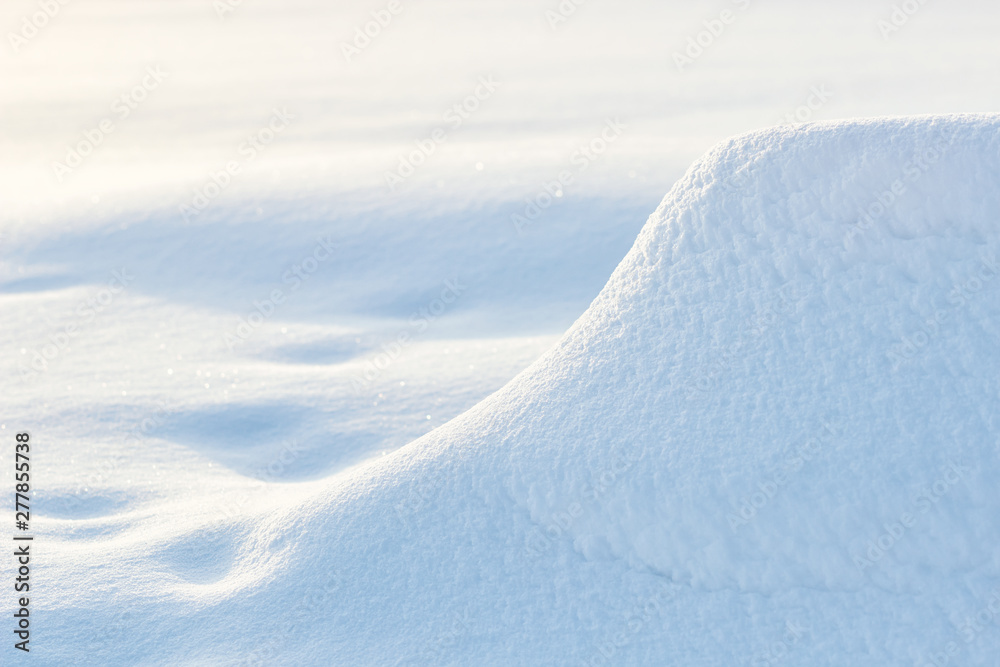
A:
[(773, 438)]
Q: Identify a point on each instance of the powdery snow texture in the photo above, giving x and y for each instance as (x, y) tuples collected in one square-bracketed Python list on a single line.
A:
[(772, 439)]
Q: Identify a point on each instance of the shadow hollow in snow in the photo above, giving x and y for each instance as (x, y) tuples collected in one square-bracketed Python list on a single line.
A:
[(192, 561), (271, 442), (327, 351), (79, 505)]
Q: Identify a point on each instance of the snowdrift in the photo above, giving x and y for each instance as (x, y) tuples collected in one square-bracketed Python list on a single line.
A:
[(772, 439)]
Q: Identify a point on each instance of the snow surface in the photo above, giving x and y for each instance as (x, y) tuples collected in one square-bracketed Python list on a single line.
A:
[(700, 471)]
